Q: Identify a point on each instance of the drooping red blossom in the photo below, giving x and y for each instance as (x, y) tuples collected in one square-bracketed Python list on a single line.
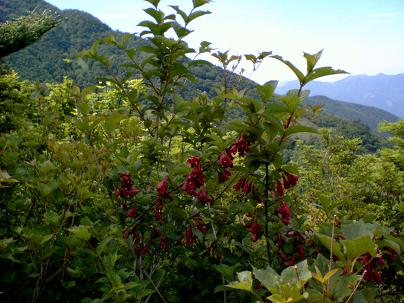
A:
[(240, 146), (163, 243), (131, 212), (127, 189), (225, 160), (190, 238), (247, 187), (158, 211), (285, 213), (280, 189), (162, 187), (194, 180), (224, 176), (239, 184), (204, 197), (300, 249), (254, 230), (200, 224), (194, 161), (289, 180), (292, 261)]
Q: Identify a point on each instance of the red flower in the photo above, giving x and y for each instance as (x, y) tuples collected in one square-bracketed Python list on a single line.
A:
[(194, 161), (224, 176), (158, 210), (247, 187), (203, 196), (162, 188), (194, 180), (163, 243), (279, 189), (132, 212), (240, 146), (289, 180), (239, 184), (285, 213), (225, 160), (190, 238)]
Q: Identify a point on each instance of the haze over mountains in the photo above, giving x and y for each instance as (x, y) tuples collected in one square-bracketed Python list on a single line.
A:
[(382, 91), (45, 61)]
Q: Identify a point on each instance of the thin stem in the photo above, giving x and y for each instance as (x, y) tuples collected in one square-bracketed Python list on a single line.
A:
[(266, 202), (356, 286)]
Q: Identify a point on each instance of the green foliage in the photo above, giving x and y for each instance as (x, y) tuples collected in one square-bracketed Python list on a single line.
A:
[(22, 32), (130, 192)]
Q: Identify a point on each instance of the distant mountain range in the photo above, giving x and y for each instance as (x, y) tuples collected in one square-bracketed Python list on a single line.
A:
[(45, 61), (382, 91)]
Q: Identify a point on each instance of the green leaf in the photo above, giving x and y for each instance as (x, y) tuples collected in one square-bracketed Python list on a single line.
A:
[(158, 15), (180, 12), (294, 69), (244, 281), (80, 232), (197, 14), (357, 247), (267, 90), (227, 271), (354, 230), (298, 274), (294, 129), (312, 60), (198, 3), (336, 248), (268, 277), (322, 72), (155, 3)]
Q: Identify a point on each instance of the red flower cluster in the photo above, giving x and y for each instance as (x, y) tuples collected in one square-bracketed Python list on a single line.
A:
[(244, 185), (190, 238), (241, 146), (297, 240), (371, 272), (162, 189), (158, 210), (288, 181), (226, 157), (254, 230), (195, 180), (127, 189), (285, 213), (200, 224)]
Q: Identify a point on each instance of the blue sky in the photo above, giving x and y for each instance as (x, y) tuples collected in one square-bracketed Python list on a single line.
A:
[(359, 36)]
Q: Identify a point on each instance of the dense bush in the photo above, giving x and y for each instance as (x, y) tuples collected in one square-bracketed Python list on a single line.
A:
[(129, 193)]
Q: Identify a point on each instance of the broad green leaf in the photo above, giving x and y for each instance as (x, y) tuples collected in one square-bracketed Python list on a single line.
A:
[(80, 232), (342, 286), (267, 90), (322, 72), (197, 14), (226, 270), (294, 69), (198, 3), (317, 297), (312, 60), (336, 248), (291, 101), (354, 230), (244, 281), (158, 15), (180, 12), (268, 277), (366, 295), (359, 246), (298, 274), (294, 129)]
